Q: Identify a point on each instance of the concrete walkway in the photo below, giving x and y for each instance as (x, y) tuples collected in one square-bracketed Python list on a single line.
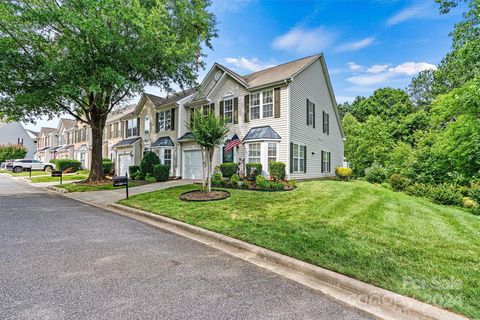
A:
[(110, 196)]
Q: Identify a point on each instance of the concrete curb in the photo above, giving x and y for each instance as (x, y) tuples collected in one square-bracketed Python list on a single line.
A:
[(376, 301), (60, 190)]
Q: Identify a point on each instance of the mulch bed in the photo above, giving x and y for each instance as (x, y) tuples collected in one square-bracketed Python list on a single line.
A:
[(198, 195)]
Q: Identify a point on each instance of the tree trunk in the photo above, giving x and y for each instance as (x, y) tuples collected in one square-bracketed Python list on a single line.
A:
[(204, 164), (96, 168), (209, 168)]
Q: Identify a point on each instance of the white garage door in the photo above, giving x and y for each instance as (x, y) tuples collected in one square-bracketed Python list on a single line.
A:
[(124, 161), (192, 164)]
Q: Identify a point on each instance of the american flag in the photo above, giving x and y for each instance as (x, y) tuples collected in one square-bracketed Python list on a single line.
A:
[(235, 141)]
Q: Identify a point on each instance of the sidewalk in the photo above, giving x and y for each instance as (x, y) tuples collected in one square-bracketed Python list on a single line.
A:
[(107, 197)]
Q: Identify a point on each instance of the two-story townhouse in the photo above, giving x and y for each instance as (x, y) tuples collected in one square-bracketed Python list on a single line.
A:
[(65, 139), (153, 125), (286, 113), (46, 141), (82, 150), (114, 132)]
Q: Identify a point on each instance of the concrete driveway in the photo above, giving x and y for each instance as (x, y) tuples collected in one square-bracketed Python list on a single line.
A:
[(61, 259)]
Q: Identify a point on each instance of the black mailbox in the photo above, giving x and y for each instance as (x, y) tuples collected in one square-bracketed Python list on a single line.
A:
[(56, 173), (120, 181)]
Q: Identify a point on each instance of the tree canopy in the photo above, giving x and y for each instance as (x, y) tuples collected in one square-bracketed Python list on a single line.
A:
[(85, 57)]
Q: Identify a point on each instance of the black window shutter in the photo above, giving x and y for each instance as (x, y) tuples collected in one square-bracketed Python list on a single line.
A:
[(329, 162), (308, 120), (313, 107), (222, 111), (328, 123), (323, 122), (276, 97), (172, 120), (157, 125), (304, 159), (247, 108), (291, 157), (138, 126), (235, 110), (321, 160)]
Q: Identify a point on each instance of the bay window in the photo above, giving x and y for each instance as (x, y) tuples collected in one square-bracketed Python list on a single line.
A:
[(167, 157), (254, 153), (272, 153)]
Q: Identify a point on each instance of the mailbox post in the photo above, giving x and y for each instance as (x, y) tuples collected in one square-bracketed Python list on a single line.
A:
[(58, 174), (120, 181)]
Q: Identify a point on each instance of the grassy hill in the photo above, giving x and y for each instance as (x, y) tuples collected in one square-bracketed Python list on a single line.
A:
[(392, 240)]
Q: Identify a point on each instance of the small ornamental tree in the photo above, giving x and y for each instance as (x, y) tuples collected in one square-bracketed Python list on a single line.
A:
[(87, 57), (208, 132), (12, 151)]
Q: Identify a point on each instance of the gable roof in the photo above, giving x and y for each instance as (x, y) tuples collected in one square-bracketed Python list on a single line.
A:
[(156, 100), (46, 130), (119, 113), (176, 96), (262, 133), (66, 123), (162, 142)]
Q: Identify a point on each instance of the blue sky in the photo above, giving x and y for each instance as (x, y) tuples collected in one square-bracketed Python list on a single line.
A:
[(367, 44)]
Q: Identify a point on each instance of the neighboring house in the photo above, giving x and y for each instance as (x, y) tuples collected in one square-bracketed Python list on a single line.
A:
[(47, 140), (113, 132), (154, 124), (15, 133), (286, 113), (65, 130), (82, 151)]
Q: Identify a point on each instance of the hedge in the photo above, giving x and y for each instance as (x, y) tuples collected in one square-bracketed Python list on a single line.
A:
[(107, 165), (277, 170), (228, 169), (161, 172), (67, 164), (132, 171)]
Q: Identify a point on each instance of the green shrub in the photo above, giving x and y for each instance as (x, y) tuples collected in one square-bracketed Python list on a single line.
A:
[(277, 170), (228, 169), (474, 193), (217, 179), (107, 165), (376, 174), (398, 182), (161, 172), (469, 203), (149, 178), (446, 194), (150, 159), (234, 180), (253, 170), (67, 164), (343, 173), (139, 175), (133, 170), (12, 152), (420, 190)]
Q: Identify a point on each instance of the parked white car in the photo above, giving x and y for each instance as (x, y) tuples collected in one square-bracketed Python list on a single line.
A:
[(19, 165)]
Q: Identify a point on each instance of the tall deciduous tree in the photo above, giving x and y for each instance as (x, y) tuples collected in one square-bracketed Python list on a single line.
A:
[(85, 57), (208, 132)]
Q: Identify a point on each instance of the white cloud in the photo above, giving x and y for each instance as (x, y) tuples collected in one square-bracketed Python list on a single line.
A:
[(412, 68), (305, 41), (377, 68), (252, 64), (354, 67), (342, 99), (380, 75), (411, 12), (356, 45)]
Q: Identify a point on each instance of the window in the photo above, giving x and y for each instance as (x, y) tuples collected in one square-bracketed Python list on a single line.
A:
[(167, 157), (310, 113), (206, 110), (131, 127), (255, 106), (261, 104), (164, 120), (326, 123), (228, 110), (272, 153), (147, 125), (326, 161), (298, 158), (116, 133), (267, 103), (254, 153)]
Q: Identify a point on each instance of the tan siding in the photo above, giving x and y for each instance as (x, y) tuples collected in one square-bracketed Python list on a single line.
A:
[(311, 84)]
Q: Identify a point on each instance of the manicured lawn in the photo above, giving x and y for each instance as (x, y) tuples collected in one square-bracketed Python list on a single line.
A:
[(75, 187), (402, 243), (25, 174), (54, 179)]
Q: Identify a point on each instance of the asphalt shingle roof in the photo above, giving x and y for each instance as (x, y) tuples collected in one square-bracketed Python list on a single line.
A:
[(186, 137), (126, 142)]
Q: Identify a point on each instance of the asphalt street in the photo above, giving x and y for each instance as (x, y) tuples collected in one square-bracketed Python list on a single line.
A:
[(62, 259)]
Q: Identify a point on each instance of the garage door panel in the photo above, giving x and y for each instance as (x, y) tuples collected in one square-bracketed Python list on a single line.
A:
[(192, 164), (125, 161)]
